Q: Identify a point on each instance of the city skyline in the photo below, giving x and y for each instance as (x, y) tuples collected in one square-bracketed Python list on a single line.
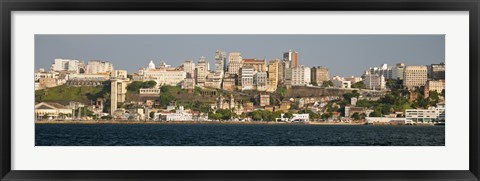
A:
[(131, 52)]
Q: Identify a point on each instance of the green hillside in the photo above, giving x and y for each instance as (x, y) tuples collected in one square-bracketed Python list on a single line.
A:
[(64, 94)]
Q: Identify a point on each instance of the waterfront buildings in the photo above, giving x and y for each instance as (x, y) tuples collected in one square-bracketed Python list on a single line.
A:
[(414, 76), (51, 110), (425, 115), (264, 99)]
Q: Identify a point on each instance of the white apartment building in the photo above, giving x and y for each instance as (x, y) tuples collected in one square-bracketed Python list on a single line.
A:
[(246, 78), (260, 80), (300, 76), (300, 118), (66, 65), (340, 82), (374, 82), (98, 67), (161, 75), (425, 115)]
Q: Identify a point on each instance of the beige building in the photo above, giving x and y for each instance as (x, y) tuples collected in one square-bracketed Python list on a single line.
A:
[(258, 65), (189, 67), (273, 77), (414, 76), (235, 62), (434, 85), (118, 93), (201, 71), (319, 75), (264, 100)]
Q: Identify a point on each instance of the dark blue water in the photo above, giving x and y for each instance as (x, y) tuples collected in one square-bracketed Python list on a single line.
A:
[(236, 135)]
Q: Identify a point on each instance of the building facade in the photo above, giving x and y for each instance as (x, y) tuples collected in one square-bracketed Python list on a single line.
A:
[(319, 75), (235, 62), (414, 76)]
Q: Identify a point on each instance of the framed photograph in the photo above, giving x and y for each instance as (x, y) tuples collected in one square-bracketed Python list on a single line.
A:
[(234, 90)]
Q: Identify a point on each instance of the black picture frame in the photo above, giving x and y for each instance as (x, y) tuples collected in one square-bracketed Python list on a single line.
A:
[(7, 6)]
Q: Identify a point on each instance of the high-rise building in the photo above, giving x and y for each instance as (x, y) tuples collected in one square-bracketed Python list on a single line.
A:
[(398, 71), (201, 71), (118, 92), (414, 76), (292, 58), (189, 67), (235, 62), (300, 75), (260, 81), (319, 75), (246, 78), (66, 65), (99, 67), (273, 74), (220, 61)]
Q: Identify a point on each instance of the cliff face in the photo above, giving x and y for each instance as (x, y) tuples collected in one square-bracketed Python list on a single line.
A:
[(295, 92)]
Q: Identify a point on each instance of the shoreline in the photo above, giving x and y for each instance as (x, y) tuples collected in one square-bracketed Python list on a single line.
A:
[(180, 122), (205, 122)]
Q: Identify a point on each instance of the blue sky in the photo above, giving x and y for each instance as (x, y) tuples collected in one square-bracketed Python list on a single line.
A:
[(344, 55)]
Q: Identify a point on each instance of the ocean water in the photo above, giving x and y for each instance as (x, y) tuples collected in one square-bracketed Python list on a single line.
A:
[(236, 135)]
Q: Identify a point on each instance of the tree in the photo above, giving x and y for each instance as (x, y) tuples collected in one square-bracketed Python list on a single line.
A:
[(356, 116), (359, 85), (314, 83), (152, 115), (149, 84), (134, 86), (443, 93), (288, 115), (165, 99), (327, 83), (375, 114), (108, 117)]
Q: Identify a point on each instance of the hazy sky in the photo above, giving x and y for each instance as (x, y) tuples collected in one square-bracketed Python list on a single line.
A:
[(344, 55)]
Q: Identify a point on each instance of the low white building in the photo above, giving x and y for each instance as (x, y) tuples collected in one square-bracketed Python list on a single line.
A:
[(149, 91), (386, 120), (340, 82), (425, 115), (374, 82), (180, 114), (300, 118), (45, 110)]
